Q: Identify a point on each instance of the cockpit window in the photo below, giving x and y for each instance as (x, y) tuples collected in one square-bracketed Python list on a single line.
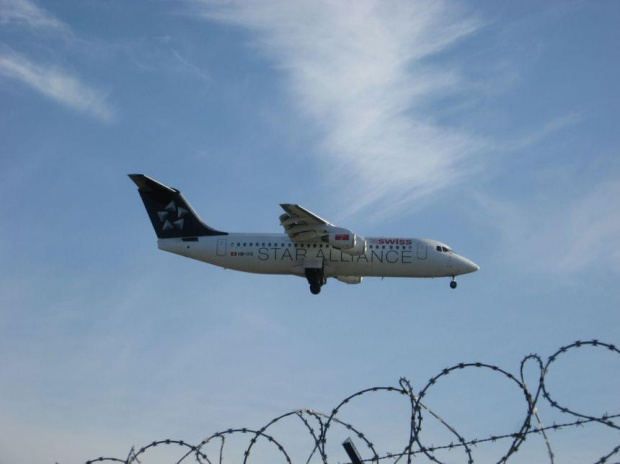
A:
[(444, 249), (438, 248)]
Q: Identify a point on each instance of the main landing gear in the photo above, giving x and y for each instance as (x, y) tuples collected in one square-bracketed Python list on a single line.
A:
[(316, 279), (453, 283)]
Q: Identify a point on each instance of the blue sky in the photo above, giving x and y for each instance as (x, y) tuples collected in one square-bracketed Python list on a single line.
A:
[(491, 126)]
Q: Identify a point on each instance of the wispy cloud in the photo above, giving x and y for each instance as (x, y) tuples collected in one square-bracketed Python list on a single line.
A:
[(362, 71), (56, 84), (563, 235), (26, 13), (189, 66), (534, 137), (50, 80)]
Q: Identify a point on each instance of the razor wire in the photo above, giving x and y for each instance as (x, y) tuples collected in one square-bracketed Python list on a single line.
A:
[(318, 425)]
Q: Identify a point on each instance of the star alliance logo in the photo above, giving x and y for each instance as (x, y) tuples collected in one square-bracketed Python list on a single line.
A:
[(172, 217)]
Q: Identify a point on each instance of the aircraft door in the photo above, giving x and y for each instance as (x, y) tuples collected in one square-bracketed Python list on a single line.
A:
[(221, 247), (422, 250)]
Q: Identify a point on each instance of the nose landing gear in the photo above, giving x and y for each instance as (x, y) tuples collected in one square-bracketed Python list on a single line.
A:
[(453, 283)]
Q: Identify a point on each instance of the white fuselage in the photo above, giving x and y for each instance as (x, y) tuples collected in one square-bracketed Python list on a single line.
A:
[(277, 254)]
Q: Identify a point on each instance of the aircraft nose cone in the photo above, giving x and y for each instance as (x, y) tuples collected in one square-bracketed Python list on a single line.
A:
[(468, 266)]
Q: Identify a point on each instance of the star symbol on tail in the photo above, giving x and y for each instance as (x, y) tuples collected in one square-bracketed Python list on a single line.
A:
[(172, 217)]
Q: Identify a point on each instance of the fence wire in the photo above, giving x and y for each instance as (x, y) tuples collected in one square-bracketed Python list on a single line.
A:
[(318, 425)]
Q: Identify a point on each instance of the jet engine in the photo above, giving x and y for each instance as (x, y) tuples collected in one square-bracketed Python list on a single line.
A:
[(350, 279), (346, 241)]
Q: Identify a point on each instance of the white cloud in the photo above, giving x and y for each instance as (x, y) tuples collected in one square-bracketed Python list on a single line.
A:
[(56, 84), (361, 71), (185, 64), (591, 229), (559, 234), (26, 13), (534, 137), (51, 81)]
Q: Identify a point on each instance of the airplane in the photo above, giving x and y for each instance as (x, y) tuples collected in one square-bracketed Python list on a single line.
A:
[(310, 246)]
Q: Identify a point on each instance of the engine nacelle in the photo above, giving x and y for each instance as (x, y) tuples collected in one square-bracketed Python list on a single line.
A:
[(346, 241), (351, 280)]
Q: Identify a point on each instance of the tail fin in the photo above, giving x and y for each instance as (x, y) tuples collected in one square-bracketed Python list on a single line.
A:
[(171, 215)]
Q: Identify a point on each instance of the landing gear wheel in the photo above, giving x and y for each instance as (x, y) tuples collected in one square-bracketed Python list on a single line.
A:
[(316, 279), (315, 289), (453, 284)]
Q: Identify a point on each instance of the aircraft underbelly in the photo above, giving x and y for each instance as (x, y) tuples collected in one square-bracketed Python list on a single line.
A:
[(380, 270)]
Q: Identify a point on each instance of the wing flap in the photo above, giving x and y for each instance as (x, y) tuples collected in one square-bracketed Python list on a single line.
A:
[(302, 225), (303, 215)]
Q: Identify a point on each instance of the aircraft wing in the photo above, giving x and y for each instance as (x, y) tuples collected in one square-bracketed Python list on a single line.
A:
[(301, 225)]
